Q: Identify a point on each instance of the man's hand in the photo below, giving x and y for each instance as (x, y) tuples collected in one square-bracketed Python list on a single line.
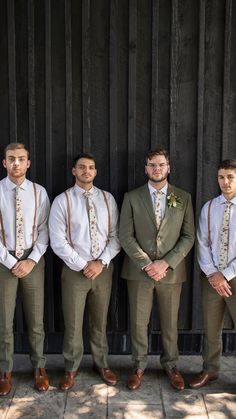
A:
[(220, 284), (93, 269), (157, 269), (23, 268)]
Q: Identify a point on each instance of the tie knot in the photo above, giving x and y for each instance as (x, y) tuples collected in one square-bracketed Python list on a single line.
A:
[(87, 194), (157, 194)]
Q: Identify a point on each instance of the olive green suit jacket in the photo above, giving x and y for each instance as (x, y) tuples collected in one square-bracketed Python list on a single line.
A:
[(143, 243)]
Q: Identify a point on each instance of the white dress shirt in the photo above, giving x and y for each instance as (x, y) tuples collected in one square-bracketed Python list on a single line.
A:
[(7, 207), (208, 256), (76, 257), (163, 196)]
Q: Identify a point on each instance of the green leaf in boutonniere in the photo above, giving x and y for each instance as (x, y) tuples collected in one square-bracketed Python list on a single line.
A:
[(173, 201)]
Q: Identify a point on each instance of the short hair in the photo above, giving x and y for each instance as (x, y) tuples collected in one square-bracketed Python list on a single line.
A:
[(228, 164), (158, 152), (15, 146), (83, 156)]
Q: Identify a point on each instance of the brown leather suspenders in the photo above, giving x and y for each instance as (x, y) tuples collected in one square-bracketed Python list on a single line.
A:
[(35, 214), (69, 216), (2, 229), (209, 223)]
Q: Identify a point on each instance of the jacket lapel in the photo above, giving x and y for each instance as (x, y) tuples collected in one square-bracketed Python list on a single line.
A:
[(167, 210), (147, 202)]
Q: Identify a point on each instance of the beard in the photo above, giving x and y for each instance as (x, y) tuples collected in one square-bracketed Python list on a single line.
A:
[(158, 179)]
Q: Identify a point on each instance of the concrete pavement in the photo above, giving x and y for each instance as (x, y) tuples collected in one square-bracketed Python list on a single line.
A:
[(91, 398)]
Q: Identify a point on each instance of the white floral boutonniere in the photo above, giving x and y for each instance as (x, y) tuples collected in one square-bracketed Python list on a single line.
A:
[(173, 201)]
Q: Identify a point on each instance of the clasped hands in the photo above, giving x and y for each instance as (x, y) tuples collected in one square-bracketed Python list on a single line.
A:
[(220, 284), (157, 269), (23, 268), (93, 269)]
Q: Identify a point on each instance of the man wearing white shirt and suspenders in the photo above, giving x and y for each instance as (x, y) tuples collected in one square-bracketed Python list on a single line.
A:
[(83, 232), (24, 210), (217, 260)]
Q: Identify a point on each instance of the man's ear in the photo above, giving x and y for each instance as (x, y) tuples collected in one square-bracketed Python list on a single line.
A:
[(4, 163)]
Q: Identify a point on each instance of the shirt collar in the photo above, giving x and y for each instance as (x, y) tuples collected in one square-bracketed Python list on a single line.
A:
[(152, 189), (222, 200), (81, 191), (11, 185)]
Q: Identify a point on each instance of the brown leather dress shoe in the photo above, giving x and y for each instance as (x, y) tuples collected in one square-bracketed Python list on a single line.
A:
[(68, 380), (134, 380), (202, 379), (175, 378), (107, 375), (5, 383), (41, 379)]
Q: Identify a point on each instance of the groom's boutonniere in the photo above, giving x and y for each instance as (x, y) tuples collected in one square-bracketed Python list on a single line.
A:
[(173, 201)]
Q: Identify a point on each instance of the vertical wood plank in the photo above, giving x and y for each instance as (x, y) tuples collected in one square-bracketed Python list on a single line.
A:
[(196, 307), (12, 71), (173, 83), (48, 157), (68, 89), (48, 96), (86, 100), (132, 92), (113, 108), (155, 67), (113, 144), (31, 84), (227, 70)]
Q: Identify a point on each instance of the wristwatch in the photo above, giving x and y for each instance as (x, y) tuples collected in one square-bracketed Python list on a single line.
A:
[(103, 263)]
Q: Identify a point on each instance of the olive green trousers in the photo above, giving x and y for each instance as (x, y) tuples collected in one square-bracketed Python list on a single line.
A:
[(140, 302), (77, 290), (31, 290), (213, 318)]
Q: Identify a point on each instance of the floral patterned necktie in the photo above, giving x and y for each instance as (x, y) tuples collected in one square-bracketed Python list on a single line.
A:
[(95, 251), (157, 208), (20, 240), (224, 237)]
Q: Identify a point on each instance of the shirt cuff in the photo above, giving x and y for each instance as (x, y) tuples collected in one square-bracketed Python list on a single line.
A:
[(35, 256), (105, 260), (10, 261), (228, 274), (146, 266)]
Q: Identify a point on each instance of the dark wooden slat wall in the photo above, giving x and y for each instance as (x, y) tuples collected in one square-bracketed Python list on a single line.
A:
[(117, 77)]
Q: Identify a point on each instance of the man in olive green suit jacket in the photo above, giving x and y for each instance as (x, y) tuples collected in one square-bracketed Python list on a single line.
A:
[(156, 232)]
